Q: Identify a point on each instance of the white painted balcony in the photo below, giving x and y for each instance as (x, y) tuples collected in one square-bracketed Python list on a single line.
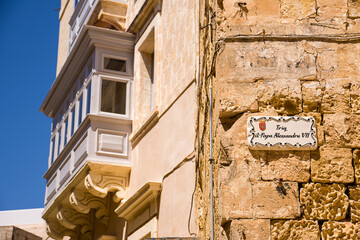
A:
[(90, 102), (102, 13)]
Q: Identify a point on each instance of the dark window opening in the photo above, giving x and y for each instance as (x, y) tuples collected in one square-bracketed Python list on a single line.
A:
[(113, 97), (115, 64)]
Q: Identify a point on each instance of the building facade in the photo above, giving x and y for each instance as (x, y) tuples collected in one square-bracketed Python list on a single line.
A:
[(122, 147), (150, 106), (280, 58)]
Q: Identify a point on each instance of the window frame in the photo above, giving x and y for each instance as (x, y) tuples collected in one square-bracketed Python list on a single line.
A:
[(128, 98), (117, 57)]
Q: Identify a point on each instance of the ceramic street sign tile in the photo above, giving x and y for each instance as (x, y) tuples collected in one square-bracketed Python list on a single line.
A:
[(281, 133)]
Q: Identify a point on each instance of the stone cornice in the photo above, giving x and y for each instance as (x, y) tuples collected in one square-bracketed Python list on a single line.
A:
[(146, 12), (139, 200)]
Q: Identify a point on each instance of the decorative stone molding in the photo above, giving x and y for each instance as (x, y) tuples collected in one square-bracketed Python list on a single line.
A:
[(69, 218), (56, 231), (99, 185), (145, 201), (70, 212), (148, 11), (83, 202)]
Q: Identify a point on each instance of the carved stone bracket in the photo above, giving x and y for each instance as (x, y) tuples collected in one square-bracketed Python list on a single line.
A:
[(56, 231), (69, 218), (99, 185), (113, 20), (72, 212), (83, 202)]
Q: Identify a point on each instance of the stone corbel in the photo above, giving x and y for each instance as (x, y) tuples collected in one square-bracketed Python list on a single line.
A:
[(112, 19), (56, 231), (99, 185), (69, 218), (83, 202)]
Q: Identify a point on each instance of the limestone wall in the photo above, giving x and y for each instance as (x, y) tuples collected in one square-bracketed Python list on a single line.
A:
[(163, 137), (66, 10), (282, 57)]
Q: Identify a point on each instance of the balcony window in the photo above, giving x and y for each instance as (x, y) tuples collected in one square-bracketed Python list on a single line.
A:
[(59, 142), (54, 124), (52, 153), (89, 68), (80, 110), (88, 99), (72, 127), (113, 97), (114, 64), (66, 131)]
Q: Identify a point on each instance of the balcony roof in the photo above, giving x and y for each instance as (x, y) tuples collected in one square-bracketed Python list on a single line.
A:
[(89, 38)]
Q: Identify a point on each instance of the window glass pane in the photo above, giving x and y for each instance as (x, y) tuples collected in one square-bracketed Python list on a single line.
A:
[(59, 142), (88, 68), (115, 64), (113, 97), (52, 150), (66, 130), (88, 100), (72, 122), (80, 110), (54, 124)]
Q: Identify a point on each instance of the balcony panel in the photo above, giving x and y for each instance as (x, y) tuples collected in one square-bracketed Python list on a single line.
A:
[(65, 171), (51, 188), (110, 136), (112, 143), (80, 151)]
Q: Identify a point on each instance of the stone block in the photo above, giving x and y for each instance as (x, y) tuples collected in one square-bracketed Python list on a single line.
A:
[(311, 96), (241, 197), (282, 95), (330, 165), (353, 25), (332, 8), (355, 97), (356, 157), (276, 200), (234, 131), (332, 230), (295, 229), (342, 130), (319, 127), (354, 195), (338, 61), (353, 8), (254, 229), (324, 201), (286, 165), (355, 211), (253, 61), (254, 11), (336, 96), (236, 181), (295, 9), (237, 97), (320, 135)]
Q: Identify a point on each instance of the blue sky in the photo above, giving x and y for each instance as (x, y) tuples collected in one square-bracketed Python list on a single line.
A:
[(28, 48)]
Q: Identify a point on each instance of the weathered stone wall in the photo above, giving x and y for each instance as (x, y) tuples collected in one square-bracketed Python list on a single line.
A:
[(282, 57), (66, 10)]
